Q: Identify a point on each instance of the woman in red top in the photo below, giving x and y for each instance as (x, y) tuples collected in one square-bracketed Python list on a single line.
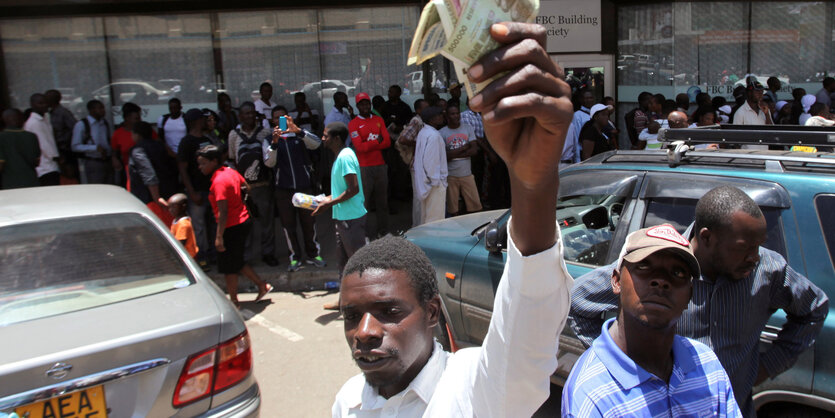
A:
[(226, 198)]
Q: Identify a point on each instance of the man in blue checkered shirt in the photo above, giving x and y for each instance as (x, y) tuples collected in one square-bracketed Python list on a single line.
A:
[(639, 366)]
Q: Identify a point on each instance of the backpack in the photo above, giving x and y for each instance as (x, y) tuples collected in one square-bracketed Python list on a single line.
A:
[(161, 132), (87, 136), (251, 157)]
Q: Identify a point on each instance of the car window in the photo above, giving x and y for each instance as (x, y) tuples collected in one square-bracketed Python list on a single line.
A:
[(825, 205), (588, 212), (680, 213), (59, 266)]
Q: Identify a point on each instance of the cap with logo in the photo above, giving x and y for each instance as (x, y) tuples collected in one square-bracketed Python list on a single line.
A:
[(362, 96), (645, 242), (753, 84)]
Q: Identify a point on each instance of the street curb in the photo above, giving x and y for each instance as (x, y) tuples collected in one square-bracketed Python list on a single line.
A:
[(307, 278)]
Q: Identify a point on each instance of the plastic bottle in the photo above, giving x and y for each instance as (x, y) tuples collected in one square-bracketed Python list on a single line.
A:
[(305, 201)]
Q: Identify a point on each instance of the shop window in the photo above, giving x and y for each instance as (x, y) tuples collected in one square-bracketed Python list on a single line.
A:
[(65, 54)]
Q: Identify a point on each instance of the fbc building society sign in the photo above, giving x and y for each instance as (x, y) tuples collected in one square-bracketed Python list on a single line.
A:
[(572, 26)]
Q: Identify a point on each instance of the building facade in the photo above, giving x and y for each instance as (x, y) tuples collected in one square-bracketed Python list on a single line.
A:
[(148, 52)]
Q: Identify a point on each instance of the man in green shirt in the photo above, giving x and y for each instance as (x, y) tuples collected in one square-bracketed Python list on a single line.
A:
[(346, 197), (19, 153)]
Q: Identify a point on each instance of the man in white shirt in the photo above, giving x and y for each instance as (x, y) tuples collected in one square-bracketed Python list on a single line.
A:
[(39, 124), (171, 127), (264, 106), (341, 111), (754, 111), (91, 139), (430, 165), (391, 306)]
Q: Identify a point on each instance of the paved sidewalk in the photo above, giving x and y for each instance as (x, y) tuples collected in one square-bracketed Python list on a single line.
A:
[(310, 277)]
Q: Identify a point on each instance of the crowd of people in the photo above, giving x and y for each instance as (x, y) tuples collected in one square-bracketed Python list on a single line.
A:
[(593, 131), (278, 153)]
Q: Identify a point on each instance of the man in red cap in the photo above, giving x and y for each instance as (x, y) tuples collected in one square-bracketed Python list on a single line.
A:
[(369, 137)]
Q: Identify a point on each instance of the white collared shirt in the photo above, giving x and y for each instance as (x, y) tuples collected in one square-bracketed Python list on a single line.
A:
[(509, 374), (42, 128), (745, 115), (265, 108)]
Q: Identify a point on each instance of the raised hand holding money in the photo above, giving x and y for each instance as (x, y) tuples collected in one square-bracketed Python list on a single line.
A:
[(465, 35), (526, 115)]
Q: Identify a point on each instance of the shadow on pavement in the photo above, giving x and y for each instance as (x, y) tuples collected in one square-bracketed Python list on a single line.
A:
[(327, 318), (252, 308)]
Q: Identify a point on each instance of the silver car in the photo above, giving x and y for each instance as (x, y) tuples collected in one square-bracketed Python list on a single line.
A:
[(103, 313)]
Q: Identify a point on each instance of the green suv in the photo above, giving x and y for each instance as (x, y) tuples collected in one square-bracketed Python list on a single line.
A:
[(610, 195)]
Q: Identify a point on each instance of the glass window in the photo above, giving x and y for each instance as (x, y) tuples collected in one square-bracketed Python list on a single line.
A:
[(588, 212), (279, 47), (825, 205), (366, 49), (67, 54), (680, 213), (155, 58), (60, 266)]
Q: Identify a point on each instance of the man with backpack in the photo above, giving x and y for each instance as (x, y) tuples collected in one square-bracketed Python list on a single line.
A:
[(171, 126), (246, 145), (91, 139)]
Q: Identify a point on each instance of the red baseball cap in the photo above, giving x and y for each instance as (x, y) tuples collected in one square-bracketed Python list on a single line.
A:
[(362, 96)]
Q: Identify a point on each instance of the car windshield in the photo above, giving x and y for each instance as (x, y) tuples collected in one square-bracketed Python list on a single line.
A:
[(59, 266)]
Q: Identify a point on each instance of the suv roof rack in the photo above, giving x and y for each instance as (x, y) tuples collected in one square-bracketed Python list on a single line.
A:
[(784, 135)]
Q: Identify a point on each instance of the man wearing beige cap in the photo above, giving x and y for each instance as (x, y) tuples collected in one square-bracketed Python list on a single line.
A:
[(638, 365)]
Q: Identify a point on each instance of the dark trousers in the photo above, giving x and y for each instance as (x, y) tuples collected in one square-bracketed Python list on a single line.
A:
[(350, 237), (288, 214), (262, 198), (53, 178), (375, 186), (96, 171)]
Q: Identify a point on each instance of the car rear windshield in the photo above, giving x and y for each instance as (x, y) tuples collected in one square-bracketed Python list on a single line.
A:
[(59, 266)]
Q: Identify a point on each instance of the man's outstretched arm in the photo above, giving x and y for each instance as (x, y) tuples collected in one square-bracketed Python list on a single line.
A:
[(526, 114)]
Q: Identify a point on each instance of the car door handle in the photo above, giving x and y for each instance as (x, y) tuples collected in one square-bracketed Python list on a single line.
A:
[(769, 334)]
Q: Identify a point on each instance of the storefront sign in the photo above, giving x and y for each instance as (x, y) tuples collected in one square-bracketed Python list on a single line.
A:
[(572, 26)]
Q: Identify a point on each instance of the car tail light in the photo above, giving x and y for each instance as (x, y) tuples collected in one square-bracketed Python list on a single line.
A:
[(213, 370), (234, 362)]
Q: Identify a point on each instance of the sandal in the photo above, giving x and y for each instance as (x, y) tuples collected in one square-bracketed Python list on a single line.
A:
[(267, 289)]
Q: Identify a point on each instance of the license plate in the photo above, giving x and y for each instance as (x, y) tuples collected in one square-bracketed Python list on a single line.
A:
[(87, 403)]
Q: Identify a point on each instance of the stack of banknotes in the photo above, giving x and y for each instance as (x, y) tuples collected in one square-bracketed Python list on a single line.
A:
[(460, 31)]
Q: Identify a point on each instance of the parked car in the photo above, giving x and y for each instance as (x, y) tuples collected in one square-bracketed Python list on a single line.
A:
[(139, 92), (323, 90), (103, 313), (610, 195)]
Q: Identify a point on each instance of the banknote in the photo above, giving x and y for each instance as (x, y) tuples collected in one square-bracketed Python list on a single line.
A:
[(460, 31), (448, 11), (429, 37), (470, 38)]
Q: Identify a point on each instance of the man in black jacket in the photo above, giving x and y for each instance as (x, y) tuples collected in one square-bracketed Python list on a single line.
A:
[(287, 152)]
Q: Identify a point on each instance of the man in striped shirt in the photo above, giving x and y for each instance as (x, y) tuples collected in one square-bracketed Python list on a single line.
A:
[(741, 286), (639, 366)]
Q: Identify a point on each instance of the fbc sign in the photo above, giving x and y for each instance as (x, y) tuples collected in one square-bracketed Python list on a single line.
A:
[(571, 26)]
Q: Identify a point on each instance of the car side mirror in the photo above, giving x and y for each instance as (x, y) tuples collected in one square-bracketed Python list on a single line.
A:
[(493, 238)]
